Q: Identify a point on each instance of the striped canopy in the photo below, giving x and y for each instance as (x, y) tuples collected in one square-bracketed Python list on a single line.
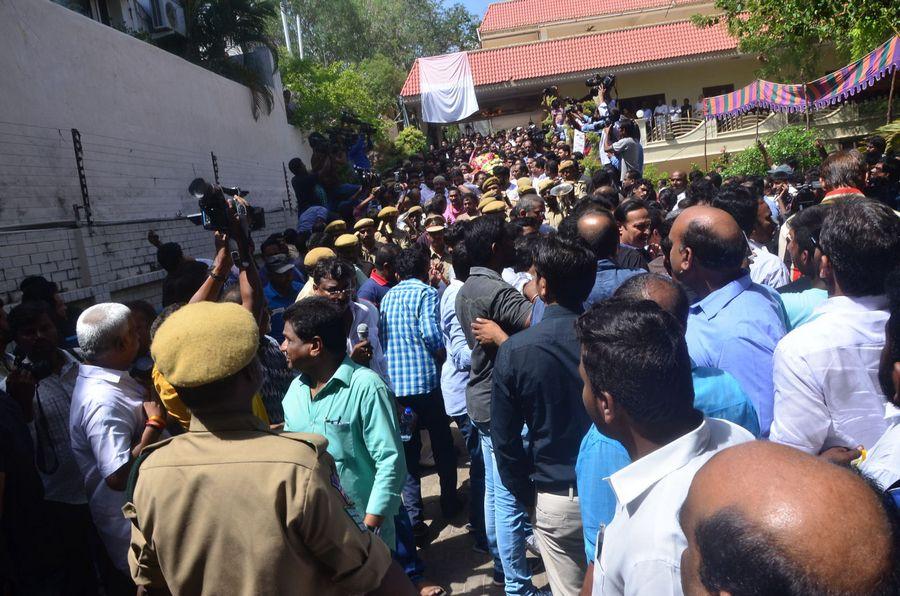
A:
[(855, 77), (819, 94)]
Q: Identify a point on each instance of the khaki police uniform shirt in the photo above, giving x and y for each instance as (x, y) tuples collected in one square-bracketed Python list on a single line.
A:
[(233, 508)]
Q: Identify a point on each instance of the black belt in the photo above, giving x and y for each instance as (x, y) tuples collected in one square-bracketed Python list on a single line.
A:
[(559, 488)]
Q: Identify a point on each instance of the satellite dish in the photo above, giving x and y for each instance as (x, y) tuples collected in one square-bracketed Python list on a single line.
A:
[(562, 189)]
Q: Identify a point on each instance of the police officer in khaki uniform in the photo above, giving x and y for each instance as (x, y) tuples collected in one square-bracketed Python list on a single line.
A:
[(365, 231), (232, 507)]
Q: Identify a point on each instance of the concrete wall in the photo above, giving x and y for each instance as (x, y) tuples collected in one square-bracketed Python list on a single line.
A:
[(149, 122)]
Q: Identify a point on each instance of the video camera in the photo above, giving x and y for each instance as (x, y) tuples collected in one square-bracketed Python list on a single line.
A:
[(599, 80), (214, 209)]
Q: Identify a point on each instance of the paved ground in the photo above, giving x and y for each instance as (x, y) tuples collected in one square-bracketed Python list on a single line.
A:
[(450, 560)]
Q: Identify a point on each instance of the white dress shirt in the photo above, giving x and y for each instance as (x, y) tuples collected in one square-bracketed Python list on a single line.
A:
[(106, 419), (826, 377), (365, 312), (882, 463), (425, 194), (765, 268), (640, 551)]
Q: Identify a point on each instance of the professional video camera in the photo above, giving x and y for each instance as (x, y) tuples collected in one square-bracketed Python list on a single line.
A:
[(599, 80), (214, 210)]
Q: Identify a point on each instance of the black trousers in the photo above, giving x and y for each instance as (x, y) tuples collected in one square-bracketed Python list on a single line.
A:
[(429, 409)]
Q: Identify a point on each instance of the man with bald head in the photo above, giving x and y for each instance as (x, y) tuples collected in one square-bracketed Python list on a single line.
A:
[(598, 228), (733, 324), (762, 518)]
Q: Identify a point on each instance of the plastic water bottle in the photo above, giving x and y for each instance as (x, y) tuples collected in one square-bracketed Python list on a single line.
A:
[(407, 421)]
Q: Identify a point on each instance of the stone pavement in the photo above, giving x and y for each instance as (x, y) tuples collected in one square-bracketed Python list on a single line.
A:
[(450, 560)]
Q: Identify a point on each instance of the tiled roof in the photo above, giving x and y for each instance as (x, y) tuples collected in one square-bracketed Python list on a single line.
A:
[(588, 52), (521, 13)]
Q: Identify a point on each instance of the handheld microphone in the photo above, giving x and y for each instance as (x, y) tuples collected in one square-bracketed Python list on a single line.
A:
[(362, 330)]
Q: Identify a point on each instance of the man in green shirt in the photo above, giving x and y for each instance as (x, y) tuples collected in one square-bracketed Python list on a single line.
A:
[(350, 405)]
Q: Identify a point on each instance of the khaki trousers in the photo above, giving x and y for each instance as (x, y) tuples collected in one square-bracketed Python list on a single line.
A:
[(558, 531)]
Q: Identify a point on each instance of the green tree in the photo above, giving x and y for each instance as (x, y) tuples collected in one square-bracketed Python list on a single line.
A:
[(383, 80), (216, 26), (400, 30), (410, 141), (788, 35), (791, 143), (322, 92)]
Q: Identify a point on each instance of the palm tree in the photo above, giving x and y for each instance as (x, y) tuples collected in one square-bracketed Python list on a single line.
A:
[(216, 28)]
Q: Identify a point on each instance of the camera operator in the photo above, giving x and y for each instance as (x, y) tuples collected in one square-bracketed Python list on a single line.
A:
[(623, 143), (55, 372)]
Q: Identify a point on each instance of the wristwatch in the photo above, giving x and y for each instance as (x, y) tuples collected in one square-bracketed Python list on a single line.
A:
[(375, 530)]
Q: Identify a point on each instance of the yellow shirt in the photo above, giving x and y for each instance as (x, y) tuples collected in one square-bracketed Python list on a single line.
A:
[(177, 410)]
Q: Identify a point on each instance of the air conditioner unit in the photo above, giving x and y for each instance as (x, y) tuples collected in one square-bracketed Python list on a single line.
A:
[(168, 18)]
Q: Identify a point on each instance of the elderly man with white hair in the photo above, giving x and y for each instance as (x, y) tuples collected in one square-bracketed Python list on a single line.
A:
[(110, 422)]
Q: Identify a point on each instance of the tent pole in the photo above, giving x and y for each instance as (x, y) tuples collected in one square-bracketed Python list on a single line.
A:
[(890, 107), (705, 135)]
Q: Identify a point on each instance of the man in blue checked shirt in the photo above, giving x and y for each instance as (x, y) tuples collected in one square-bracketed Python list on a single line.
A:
[(414, 349)]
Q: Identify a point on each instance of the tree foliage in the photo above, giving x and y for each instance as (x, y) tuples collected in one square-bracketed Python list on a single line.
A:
[(400, 30), (215, 27), (791, 143), (322, 92), (410, 141), (788, 35)]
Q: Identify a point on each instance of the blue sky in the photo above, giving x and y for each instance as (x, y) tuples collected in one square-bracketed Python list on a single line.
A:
[(476, 6)]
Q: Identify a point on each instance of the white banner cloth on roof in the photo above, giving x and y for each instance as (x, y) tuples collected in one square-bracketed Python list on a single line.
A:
[(447, 88)]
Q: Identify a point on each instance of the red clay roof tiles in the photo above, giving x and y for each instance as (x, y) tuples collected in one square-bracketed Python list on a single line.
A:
[(521, 13), (588, 52)]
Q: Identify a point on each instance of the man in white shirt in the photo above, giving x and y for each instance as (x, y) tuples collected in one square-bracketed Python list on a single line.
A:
[(882, 463), (638, 390), (827, 395), (765, 268), (333, 278), (110, 422)]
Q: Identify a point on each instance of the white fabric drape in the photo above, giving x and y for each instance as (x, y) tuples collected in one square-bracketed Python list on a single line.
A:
[(447, 88)]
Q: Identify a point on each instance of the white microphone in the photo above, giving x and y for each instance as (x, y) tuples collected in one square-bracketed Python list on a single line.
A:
[(362, 330)]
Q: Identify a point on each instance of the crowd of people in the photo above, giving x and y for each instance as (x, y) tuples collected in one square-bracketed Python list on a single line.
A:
[(686, 388)]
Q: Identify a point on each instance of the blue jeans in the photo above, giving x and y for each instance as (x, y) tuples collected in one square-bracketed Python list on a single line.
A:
[(405, 554), (476, 476), (508, 527)]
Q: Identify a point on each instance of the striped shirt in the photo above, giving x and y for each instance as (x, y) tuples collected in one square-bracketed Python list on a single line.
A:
[(410, 336)]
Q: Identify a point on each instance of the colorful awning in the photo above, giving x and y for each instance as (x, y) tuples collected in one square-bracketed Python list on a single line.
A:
[(860, 75), (819, 94)]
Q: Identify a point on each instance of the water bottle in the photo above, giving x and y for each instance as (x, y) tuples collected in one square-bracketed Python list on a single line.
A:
[(407, 422)]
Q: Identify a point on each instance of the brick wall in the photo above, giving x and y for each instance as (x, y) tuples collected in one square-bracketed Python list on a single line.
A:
[(107, 262)]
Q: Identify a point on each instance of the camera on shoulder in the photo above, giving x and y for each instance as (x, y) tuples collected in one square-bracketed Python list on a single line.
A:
[(600, 80), (214, 208)]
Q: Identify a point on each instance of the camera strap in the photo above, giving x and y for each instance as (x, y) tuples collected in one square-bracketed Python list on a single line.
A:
[(45, 451)]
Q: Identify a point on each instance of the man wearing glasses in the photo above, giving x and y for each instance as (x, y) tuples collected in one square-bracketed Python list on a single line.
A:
[(334, 278)]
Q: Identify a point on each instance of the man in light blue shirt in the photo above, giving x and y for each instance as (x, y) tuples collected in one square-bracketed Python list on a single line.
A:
[(716, 393), (734, 324), (600, 231)]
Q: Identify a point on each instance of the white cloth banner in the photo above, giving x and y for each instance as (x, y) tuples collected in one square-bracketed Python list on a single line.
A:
[(447, 88), (578, 142)]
